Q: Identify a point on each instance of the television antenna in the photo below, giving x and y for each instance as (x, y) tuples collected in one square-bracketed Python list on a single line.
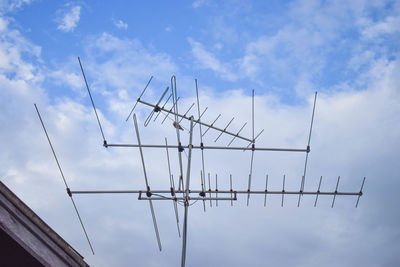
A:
[(184, 194)]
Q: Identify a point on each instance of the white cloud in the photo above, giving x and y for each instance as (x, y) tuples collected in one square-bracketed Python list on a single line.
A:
[(123, 53), (3, 24), (356, 133), (121, 25), (199, 3), (11, 5), (67, 78), (208, 60), (70, 19), (13, 49), (389, 25)]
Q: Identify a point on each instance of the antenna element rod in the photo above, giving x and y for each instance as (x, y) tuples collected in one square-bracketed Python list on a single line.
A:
[(91, 99)]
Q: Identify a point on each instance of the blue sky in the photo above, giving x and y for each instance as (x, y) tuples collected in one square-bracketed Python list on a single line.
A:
[(347, 51)]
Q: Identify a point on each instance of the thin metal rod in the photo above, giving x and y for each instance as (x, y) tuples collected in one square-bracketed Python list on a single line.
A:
[(214, 147), (251, 172), (172, 188), (127, 118), (91, 99), (64, 180), (308, 144), (141, 151), (170, 110), (162, 96), (252, 115), (216, 190), (169, 164), (202, 189), (209, 188), (266, 190), (83, 226), (184, 115), (158, 113), (177, 216), (156, 108), (319, 187), (255, 192), (201, 138), (230, 179), (212, 124), (301, 185), (334, 196), (155, 224), (237, 134), (362, 185), (146, 122), (224, 130), (147, 183), (51, 146), (248, 195), (189, 198), (173, 89), (204, 111), (186, 201), (189, 158), (283, 190), (254, 139)]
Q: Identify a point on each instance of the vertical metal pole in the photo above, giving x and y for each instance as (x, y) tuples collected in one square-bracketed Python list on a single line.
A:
[(186, 201), (253, 145), (201, 140), (180, 149)]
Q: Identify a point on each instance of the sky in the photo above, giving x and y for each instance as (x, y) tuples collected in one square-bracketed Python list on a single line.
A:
[(348, 51)]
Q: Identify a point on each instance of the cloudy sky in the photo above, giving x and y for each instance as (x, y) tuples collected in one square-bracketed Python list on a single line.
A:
[(348, 51)]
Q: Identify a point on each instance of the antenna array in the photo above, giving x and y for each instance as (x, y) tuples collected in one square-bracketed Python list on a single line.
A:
[(184, 194)]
